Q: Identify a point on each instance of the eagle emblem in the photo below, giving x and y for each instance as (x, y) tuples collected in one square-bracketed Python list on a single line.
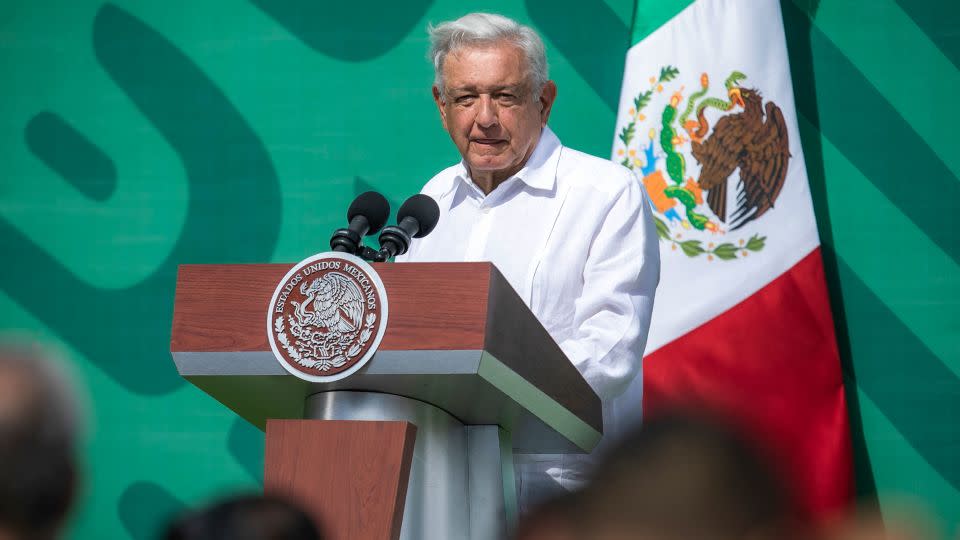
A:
[(710, 163), (326, 316), (329, 317)]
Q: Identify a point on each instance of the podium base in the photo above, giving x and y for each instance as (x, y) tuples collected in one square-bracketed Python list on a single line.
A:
[(351, 476), (461, 479)]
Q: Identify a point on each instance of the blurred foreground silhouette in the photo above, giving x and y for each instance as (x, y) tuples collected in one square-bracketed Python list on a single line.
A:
[(685, 477), (245, 517), (39, 426)]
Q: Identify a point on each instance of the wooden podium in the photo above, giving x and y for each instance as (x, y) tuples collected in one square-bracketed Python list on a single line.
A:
[(419, 442)]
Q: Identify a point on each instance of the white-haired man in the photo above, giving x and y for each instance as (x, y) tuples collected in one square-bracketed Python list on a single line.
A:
[(571, 232)]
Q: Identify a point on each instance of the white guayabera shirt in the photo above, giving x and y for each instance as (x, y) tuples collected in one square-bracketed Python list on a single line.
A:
[(574, 235)]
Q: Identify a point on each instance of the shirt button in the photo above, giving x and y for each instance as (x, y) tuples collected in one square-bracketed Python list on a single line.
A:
[(485, 210)]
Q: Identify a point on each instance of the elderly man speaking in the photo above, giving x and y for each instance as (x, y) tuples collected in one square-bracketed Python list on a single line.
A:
[(571, 232)]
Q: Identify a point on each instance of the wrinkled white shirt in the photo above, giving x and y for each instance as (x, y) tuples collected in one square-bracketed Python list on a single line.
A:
[(574, 235)]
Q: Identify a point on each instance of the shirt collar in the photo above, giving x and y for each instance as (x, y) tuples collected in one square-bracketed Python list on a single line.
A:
[(539, 172)]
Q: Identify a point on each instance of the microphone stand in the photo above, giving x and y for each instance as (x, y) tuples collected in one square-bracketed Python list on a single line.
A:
[(371, 255)]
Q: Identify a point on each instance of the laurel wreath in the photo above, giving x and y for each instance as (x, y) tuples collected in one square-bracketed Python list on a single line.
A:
[(364, 335), (667, 74), (282, 338), (325, 364), (726, 251)]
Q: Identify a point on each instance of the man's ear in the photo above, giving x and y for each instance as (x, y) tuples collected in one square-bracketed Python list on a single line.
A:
[(547, 96), (438, 99)]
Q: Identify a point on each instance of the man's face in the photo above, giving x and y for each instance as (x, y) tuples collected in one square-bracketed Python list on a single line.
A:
[(489, 109)]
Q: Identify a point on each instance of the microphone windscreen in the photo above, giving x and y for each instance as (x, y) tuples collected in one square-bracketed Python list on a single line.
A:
[(424, 209), (372, 206)]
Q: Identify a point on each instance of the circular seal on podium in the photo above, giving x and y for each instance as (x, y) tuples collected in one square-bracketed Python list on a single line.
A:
[(327, 317)]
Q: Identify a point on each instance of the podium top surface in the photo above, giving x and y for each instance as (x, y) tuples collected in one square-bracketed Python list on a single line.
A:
[(458, 337)]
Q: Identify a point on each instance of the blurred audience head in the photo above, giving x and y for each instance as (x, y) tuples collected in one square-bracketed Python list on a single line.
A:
[(676, 478), (247, 517), (38, 439)]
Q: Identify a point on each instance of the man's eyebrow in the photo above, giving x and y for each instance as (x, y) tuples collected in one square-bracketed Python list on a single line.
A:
[(515, 88)]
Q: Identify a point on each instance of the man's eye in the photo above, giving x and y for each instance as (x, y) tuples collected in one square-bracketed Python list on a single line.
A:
[(464, 100)]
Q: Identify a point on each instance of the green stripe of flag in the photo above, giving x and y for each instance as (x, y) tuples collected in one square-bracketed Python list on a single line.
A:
[(648, 15)]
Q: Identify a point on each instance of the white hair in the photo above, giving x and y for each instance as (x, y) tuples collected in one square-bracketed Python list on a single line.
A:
[(479, 29)]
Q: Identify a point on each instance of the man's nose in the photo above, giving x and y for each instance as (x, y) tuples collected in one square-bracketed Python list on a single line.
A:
[(487, 112)]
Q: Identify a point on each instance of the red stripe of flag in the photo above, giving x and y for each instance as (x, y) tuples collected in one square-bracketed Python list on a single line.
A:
[(770, 364)]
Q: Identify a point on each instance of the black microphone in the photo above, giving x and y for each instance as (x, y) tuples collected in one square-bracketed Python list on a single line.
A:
[(416, 219), (367, 214)]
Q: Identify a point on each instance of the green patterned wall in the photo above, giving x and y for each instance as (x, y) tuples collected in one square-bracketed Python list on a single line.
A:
[(884, 166), (135, 136)]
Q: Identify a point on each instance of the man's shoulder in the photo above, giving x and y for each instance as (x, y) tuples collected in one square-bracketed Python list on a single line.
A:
[(594, 172)]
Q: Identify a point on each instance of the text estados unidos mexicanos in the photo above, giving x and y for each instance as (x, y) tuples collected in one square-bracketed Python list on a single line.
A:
[(368, 289)]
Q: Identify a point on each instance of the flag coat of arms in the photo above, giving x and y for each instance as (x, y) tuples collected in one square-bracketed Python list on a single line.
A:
[(742, 323)]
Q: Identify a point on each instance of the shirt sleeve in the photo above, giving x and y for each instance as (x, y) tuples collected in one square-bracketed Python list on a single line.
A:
[(612, 315)]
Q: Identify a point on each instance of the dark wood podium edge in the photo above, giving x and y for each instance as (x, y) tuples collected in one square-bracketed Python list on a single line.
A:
[(350, 476)]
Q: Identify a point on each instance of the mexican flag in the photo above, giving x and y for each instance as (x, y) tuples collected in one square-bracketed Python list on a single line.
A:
[(741, 324)]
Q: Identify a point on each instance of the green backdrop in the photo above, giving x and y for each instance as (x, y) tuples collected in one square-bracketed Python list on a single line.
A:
[(135, 136)]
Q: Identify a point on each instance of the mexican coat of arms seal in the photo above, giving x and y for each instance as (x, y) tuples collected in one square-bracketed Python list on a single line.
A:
[(327, 317)]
